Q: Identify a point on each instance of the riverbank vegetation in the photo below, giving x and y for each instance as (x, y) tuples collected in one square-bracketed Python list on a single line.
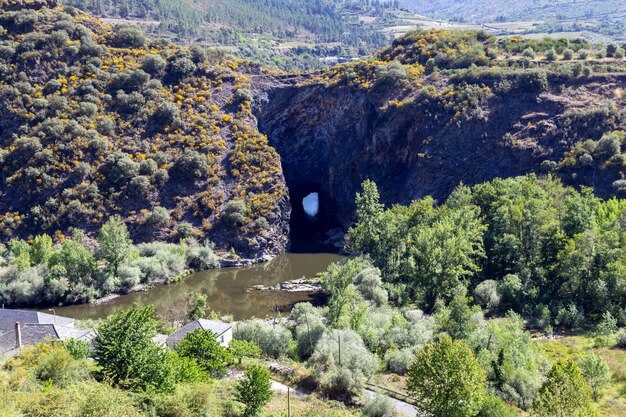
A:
[(76, 269), (499, 274), (445, 306), (527, 244)]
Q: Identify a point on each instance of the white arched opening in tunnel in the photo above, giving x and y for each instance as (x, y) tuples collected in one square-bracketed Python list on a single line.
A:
[(311, 204)]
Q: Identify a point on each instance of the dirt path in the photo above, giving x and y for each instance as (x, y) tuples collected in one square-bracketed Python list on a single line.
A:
[(402, 408)]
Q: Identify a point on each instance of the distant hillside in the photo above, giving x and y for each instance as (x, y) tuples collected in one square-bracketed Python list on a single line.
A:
[(606, 17), (260, 29), (494, 10)]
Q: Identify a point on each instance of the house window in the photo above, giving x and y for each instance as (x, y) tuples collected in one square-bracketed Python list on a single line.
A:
[(222, 339)]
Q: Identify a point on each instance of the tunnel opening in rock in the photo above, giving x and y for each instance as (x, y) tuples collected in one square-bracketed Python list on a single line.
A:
[(311, 204), (312, 221)]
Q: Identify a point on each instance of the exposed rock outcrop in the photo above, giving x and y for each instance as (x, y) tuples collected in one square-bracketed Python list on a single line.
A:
[(420, 141)]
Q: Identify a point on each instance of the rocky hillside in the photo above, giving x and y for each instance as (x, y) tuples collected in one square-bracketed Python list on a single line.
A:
[(417, 129), (96, 121)]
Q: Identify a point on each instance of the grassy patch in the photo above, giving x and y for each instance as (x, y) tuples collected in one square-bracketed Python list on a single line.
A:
[(613, 402)]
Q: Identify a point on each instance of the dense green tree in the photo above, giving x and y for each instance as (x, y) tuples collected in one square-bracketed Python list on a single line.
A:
[(520, 243), (596, 372), (445, 253), (78, 262), (114, 243), (338, 281), (447, 380), (243, 349), (254, 389), (565, 393), (126, 354), (364, 237), (21, 253), (458, 318), (202, 345), (41, 249), (197, 306)]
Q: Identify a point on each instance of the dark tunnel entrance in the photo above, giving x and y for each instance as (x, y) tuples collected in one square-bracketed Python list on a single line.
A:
[(310, 223)]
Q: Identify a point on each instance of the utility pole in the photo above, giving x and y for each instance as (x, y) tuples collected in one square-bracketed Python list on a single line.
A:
[(339, 340), (288, 402)]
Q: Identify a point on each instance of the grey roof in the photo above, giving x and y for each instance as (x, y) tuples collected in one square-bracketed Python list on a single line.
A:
[(9, 317), (67, 332), (217, 327), (31, 335), (38, 333)]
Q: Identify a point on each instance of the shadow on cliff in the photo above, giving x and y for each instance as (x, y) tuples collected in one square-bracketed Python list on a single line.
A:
[(330, 139)]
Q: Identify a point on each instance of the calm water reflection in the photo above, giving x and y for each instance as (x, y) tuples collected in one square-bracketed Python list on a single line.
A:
[(225, 288)]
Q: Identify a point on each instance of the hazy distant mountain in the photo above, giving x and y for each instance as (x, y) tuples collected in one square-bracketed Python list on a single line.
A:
[(522, 10)]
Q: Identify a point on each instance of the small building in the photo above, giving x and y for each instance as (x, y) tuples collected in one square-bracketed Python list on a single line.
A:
[(22, 328), (9, 317), (223, 331)]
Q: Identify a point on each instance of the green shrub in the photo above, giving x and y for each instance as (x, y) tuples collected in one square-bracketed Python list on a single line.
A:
[(495, 407), (129, 104), (487, 294), (128, 36), (343, 384), (59, 367), (180, 68), (202, 257), (551, 55), (529, 53), (128, 276), (189, 400), (165, 114), (159, 217), (596, 372), (273, 339), (118, 168), (234, 213), (129, 81), (79, 349), (184, 229), (568, 54), (378, 406), (202, 346), (399, 360), (154, 65), (190, 165)]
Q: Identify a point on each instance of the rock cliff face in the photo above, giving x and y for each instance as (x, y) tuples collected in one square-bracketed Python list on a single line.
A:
[(415, 142)]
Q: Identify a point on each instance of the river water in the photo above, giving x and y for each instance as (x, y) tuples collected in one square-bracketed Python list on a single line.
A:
[(227, 290)]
